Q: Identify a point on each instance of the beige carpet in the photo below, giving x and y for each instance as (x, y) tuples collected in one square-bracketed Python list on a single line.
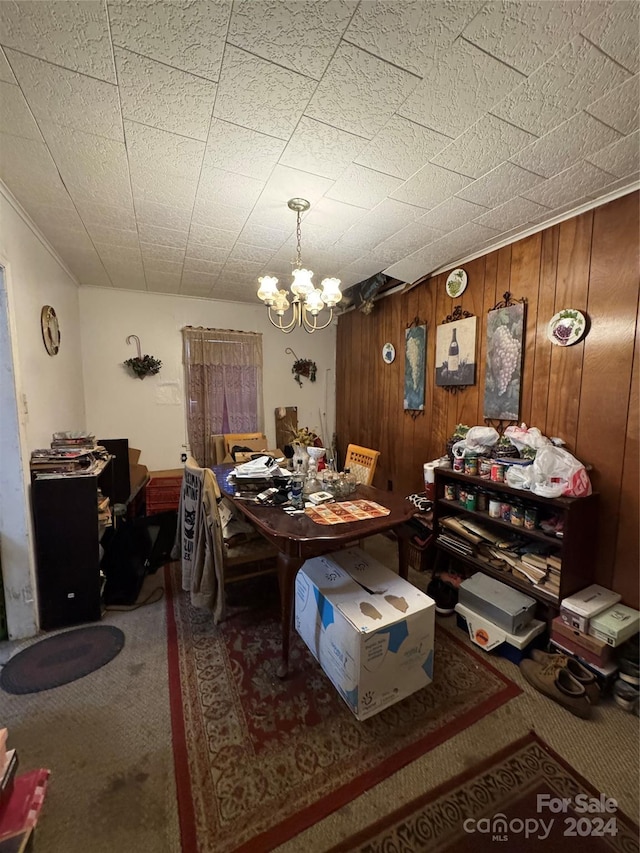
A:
[(107, 741)]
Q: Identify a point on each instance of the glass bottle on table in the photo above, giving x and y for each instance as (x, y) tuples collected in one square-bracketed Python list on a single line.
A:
[(296, 485), (352, 482)]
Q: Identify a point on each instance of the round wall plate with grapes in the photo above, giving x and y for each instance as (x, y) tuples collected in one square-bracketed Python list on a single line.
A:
[(566, 327), (456, 283)]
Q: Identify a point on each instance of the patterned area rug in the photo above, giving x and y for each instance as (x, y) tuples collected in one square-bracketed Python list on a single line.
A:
[(511, 801), (259, 759)]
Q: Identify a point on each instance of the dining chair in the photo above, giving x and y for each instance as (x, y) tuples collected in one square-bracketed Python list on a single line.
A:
[(362, 462), (233, 438), (208, 563)]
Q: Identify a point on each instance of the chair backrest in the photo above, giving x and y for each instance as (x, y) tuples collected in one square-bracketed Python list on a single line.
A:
[(233, 438), (362, 462)]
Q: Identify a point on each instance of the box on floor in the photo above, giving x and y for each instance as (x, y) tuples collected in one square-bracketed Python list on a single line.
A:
[(495, 639), (594, 651), (578, 609), (371, 631), (500, 604), (615, 625)]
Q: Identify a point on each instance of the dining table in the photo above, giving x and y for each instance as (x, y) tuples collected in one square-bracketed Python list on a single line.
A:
[(297, 538)]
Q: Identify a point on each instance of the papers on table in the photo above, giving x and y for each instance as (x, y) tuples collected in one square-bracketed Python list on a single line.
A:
[(262, 466)]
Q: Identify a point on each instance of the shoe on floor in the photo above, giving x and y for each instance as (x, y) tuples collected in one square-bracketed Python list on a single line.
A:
[(577, 670), (626, 695), (557, 684)]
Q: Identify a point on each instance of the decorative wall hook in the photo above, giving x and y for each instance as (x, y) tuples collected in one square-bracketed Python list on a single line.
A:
[(137, 340), (142, 365)]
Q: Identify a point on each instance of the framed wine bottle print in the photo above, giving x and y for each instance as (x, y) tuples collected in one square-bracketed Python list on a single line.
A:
[(456, 352)]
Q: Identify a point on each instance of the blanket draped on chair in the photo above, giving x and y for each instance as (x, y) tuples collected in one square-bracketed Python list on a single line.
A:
[(198, 545)]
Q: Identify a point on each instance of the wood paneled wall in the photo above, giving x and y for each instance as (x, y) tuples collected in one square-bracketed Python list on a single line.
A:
[(586, 394)]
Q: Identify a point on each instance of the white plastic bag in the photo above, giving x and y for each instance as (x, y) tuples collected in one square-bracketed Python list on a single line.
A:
[(519, 476), (555, 463), (522, 437), (476, 442)]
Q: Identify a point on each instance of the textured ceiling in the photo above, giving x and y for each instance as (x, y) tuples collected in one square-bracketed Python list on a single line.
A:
[(156, 144)]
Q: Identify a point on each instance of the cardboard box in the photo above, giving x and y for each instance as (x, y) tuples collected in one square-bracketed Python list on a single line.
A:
[(506, 607), (615, 625), (256, 445), (594, 651), (492, 638), (578, 609), (246, 457), (370, 630)]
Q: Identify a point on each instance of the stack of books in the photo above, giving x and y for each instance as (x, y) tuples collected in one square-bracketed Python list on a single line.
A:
[(73, 441), (68, 456)]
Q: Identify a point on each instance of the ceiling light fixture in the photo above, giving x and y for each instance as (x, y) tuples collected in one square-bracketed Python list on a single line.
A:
[(308, 301)]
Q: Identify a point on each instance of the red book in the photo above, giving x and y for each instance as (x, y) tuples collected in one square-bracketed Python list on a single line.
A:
[(25, 803)]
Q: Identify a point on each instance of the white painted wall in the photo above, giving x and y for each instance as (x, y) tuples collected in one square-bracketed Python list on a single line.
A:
[(48, 390), (150, 412)]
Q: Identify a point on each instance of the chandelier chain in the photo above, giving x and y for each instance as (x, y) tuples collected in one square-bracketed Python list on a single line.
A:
[(298, 238)]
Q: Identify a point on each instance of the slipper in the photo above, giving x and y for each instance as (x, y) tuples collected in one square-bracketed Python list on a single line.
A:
[(577, 670), (557, 684)]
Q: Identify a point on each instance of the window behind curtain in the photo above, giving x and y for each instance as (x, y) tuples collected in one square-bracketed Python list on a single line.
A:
[(223, 379)]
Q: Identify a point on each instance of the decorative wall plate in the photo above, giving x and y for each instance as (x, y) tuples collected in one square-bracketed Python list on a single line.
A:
[(566, 327), (50, 329), (456, 283), (388, 353)]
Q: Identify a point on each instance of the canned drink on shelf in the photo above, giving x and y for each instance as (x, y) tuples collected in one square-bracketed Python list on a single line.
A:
[(471, 500), (494, 508), (517, 515), (471, 465), (449, 492), (497, 472)]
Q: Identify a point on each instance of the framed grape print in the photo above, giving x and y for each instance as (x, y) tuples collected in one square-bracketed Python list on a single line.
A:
[(414, 366), (505, 339)]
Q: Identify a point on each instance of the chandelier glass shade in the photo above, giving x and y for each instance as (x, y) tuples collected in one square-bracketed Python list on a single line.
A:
[(304, 299)]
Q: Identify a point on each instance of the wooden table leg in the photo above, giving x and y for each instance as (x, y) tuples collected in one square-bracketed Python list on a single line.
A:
[(403, 557), (287, 571)]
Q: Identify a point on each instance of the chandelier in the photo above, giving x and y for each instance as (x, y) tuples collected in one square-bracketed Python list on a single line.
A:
[(308, 301)]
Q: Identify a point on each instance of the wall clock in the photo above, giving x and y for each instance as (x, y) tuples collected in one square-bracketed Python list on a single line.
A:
[(50, 329)]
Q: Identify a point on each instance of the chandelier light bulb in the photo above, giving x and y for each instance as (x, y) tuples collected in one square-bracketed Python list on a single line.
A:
[(281, 302), (268, 289), (314, 302), (331, 294), (302, 284)]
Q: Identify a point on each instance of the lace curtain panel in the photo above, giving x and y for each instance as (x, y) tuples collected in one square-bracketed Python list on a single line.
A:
[(223, 380)]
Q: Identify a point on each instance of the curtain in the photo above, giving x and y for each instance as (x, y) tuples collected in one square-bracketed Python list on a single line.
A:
[(223, 380)]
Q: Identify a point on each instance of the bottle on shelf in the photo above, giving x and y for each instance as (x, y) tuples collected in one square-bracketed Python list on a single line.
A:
[(453, 359)]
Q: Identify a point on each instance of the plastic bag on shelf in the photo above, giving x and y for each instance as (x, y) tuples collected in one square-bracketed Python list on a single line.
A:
[(478, 441), (523, 437), (519, 476), (555, 463)]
